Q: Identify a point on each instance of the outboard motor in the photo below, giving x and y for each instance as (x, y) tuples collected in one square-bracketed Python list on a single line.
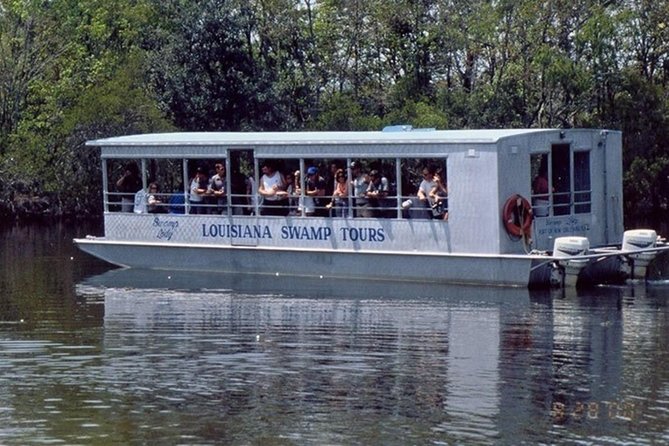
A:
[(637, 239), (569, 247)]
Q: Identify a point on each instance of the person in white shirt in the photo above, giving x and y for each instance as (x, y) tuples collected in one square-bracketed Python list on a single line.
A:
[(198, 189), (427, 185), (272, 189), (359, 184)]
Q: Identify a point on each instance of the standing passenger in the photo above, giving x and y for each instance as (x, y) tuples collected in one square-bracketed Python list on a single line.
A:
[(297, 200), (377, 191), (217, 190), (425, 189), (128, 185), (340, 195), (272, 189), (359, 184), (198, 189), (314, 190)]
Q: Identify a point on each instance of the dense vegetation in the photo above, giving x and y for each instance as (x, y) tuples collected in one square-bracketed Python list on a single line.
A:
[(72, 70)]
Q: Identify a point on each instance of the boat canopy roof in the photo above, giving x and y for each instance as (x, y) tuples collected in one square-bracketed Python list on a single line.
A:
[(307, 144)]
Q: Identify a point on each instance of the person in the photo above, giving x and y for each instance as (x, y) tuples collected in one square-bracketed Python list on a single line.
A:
[(359, 185), (330, 179), (540, 191), (425, 189), (439, 198), (296, 200), (198, 189), (153, 200), (251, 196), (377, 191), (314, 189), (176, 202), (217, 189), (340, 195), (272, 189), (128, 185)]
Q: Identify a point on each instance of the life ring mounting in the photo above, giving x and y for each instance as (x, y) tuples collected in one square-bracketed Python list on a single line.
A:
[(517, 216)]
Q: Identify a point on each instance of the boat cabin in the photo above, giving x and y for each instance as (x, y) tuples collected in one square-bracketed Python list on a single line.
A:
[(570, 179)]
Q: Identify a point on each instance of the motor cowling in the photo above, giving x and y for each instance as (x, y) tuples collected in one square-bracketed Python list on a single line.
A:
[(636, 239), (567, 248)]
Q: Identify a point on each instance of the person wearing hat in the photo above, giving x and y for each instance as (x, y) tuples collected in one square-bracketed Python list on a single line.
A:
[(198, 189), (359, 184), (314, 189)]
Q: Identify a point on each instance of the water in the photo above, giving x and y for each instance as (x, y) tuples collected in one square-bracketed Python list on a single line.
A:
[(90, 355)]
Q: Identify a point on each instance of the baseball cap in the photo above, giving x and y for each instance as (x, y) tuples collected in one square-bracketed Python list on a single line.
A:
[(312, 170)]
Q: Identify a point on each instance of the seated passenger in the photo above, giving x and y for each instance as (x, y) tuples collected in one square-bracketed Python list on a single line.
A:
[(177, 203), (154, 202), (140, 202), (439, 198), (340, 195), (426, 186), (377, 193)]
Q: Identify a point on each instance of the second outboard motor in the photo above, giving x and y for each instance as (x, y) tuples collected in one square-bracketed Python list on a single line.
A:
[(637, 239)]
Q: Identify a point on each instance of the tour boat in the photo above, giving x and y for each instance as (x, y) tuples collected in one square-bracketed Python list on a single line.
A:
[(513, 207)]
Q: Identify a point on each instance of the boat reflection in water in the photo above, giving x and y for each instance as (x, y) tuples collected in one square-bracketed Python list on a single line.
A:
[(318, 361)]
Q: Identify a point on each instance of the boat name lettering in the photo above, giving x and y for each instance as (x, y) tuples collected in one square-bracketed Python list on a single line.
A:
[(171, 224), (235, 231), (363, 234), (167, 228), (305, 233)]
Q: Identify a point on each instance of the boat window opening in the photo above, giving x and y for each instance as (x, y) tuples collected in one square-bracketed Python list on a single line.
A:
[(202, 179), (124, 180), (186, 186), (540, 184), (276, 191), (582, 185), (435, 189), (561, 179), (242, 182), (165, 185), (380, 199)]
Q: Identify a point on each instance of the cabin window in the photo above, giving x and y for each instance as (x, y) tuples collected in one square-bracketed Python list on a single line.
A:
[(433, 171), (561, 182), (165, 185), (582, 193), (561, 179), (125, 178), (242, 182), (540, 184)]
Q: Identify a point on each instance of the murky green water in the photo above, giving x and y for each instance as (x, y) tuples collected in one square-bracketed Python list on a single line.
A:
[(90, 355)]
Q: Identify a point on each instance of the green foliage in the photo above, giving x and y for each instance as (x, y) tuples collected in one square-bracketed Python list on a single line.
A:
[(73, 70)]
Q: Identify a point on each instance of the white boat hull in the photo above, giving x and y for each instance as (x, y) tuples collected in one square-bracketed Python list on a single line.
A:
[(435, 268)]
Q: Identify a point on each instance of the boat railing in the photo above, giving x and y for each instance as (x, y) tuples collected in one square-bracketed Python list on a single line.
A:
[(397, 206)]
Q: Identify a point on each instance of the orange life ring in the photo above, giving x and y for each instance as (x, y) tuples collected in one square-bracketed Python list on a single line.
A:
[(517, 216)]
